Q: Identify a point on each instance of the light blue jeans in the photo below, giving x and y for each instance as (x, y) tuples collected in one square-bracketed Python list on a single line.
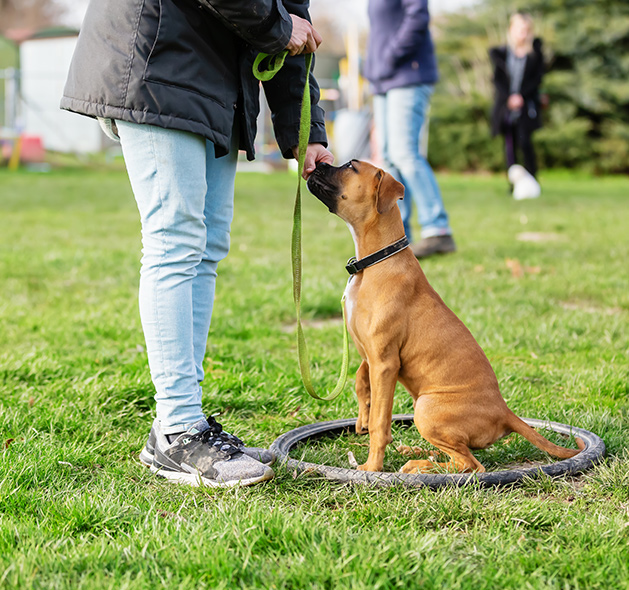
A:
[(185, 196), (399, 115)]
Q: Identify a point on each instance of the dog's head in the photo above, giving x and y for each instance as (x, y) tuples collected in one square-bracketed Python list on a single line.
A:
[(355, 191)]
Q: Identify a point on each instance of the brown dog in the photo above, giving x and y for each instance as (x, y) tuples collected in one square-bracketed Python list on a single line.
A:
[(404, 332)]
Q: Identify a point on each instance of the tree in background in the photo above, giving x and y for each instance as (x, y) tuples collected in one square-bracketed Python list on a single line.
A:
[(29, 14), (586, 46)]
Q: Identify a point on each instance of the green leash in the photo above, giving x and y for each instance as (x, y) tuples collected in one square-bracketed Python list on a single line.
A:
[(274, 66)]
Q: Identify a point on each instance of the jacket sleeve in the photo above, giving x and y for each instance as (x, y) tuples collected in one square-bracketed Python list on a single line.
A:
[(500, 78), (284, 93), (265, 24), (414, 26)]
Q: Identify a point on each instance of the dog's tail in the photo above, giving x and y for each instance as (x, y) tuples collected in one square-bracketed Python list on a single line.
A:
[(534, 437)]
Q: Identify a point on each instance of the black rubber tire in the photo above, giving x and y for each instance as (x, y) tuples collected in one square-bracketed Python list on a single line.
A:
[(592, 453)]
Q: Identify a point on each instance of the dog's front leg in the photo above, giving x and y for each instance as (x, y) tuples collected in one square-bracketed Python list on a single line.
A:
[(382, 377), (363, 394)]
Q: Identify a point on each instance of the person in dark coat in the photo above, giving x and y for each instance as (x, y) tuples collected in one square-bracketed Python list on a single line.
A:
[(402, 69), (172, 79), (518, 70)]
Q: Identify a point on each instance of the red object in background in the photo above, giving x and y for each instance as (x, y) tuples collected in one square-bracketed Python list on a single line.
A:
[(32, 149)]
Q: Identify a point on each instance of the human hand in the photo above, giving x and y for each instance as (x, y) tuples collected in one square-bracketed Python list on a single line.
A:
[(515, 102), (304, 38), (315, 153)]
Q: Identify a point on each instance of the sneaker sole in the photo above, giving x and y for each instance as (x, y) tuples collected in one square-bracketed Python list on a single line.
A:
[(146, 458), (196, 480)]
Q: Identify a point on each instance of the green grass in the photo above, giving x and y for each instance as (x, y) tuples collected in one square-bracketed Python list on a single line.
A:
[(78, 511)]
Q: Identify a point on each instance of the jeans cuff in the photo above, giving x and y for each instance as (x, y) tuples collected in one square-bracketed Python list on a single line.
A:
[(431, 232), (177, 428)]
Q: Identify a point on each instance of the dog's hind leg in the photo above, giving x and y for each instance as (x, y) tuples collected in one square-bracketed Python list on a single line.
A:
[(440, 420), (408, 451), (363, 393), (462, 461)]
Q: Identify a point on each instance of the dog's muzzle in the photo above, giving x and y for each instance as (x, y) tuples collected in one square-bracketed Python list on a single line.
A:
[(322, 185)]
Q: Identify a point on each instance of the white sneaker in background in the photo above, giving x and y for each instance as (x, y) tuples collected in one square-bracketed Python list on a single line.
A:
[(525, 186)]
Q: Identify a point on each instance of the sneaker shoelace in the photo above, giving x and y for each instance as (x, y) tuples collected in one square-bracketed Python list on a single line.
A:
[(222, 441)]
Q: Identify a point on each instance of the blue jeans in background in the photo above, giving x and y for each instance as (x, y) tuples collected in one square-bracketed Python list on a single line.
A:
[(185, 198), (399, 115)]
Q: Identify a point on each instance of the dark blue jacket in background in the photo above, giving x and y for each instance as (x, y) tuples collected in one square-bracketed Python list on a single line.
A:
[(400, 51)]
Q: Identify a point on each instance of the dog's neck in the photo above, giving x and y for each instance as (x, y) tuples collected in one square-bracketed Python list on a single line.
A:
[(377, 235)]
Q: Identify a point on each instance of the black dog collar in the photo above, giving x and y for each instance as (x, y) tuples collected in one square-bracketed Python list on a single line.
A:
[(353, 266)]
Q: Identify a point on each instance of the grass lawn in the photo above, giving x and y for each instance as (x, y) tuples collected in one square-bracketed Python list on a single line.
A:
[(543, 285)]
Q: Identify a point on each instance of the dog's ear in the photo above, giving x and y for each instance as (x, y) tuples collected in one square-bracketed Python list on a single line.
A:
[(388, 191)]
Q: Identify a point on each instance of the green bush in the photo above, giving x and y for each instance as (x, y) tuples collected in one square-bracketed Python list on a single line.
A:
[(459, 136)]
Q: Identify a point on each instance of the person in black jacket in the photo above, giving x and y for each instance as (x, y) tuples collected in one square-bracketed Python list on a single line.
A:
[(518, 71), (172, 79)]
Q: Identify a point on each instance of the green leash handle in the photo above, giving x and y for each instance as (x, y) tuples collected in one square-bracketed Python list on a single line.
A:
[(275, 64)]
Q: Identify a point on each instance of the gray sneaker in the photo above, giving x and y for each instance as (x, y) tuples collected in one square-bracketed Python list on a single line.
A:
[(434, 245), (258, 453), (203, 455)]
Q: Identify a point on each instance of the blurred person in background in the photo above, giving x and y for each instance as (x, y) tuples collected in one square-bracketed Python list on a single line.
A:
[(402, 69), (518, 68)]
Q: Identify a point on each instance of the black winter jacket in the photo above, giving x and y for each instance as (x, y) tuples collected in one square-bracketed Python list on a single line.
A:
[(533, 73), (186, 64)]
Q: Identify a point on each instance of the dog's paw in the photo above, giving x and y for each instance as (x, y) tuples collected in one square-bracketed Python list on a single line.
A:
[(413, 451), (362, 426), (369, 467), (418, 467)]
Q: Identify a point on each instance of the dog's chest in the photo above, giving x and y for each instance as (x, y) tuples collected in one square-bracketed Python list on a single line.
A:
[(356, 316), (353, 311), (349, 300)]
